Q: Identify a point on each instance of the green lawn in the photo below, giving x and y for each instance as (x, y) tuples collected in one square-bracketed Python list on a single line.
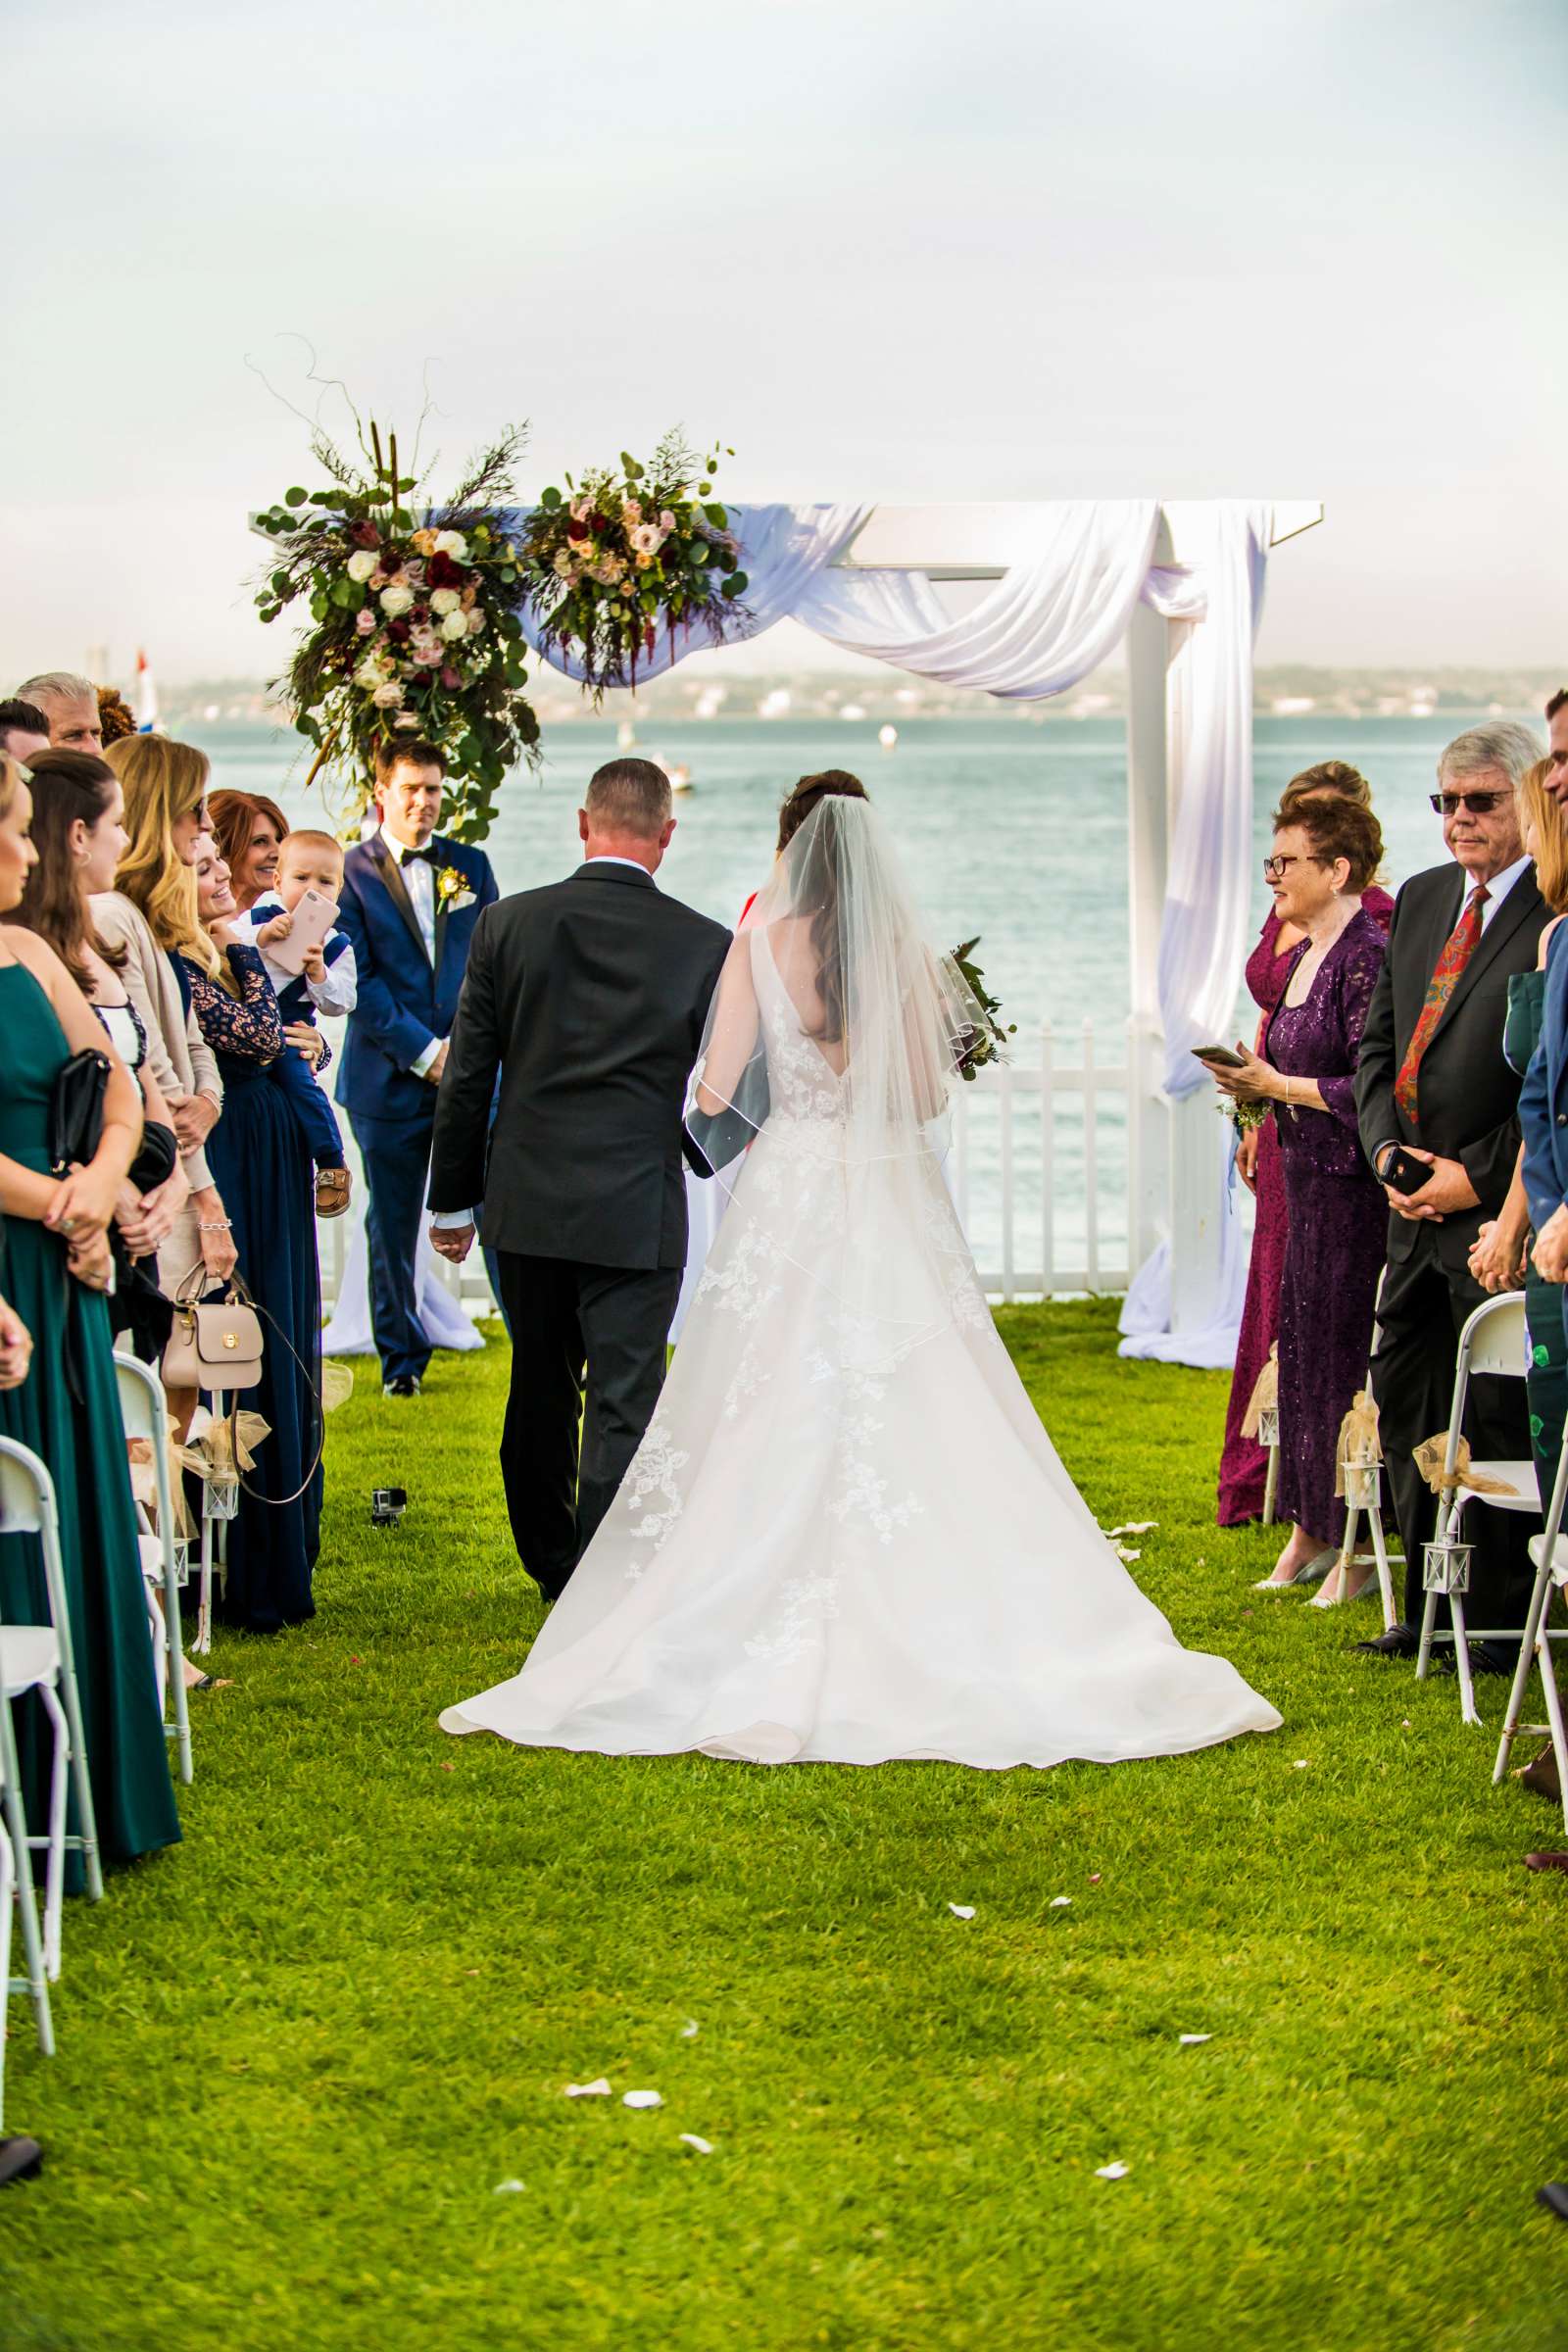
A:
[(298, 2055)]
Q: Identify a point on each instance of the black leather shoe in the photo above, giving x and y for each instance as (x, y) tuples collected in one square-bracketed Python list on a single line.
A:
[(1401, 1643), (19, 2160), (1554, 2197), (405, 1385), (1486, 1658)]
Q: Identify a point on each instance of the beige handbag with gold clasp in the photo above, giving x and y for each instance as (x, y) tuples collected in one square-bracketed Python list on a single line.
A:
[(213, 1344)]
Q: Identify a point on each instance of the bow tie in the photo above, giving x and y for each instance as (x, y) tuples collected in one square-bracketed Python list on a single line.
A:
[(409, 857)]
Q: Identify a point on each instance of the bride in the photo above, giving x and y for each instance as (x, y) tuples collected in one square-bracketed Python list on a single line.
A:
[(846, 1536)]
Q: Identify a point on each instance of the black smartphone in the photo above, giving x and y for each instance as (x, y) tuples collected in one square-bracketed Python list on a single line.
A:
[(1220, 1056), (1403, 1172)]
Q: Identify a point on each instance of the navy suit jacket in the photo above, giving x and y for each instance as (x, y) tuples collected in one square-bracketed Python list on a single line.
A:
[(1543, 1097), (405, 1001)]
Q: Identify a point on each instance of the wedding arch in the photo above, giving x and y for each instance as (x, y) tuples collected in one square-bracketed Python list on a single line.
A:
[(1181, 584)]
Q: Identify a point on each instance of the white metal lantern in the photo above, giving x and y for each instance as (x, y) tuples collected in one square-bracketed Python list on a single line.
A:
[(1446, 1565), (1268, 1425), (1361, 1480), (220, 1497)]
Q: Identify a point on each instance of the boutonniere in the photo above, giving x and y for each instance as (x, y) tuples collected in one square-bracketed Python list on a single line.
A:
[(452, 891)]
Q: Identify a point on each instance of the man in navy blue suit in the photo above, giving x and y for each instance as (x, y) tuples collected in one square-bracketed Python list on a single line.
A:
[(411, 900)]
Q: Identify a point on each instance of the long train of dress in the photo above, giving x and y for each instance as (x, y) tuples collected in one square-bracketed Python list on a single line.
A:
[(832, 1550)]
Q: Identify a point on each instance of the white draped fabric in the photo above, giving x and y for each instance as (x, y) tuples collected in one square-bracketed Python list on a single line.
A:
[(1058, 611)]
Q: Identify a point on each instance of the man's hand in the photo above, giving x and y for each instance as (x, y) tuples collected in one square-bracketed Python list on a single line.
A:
[(452, 1242), (1550, 1252), (1447, 1191), (195, 1117), (433, 1072), (1498, 1258)]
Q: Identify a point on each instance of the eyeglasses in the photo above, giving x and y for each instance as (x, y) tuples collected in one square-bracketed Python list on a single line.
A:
[(1474, 804), (1274, 868)]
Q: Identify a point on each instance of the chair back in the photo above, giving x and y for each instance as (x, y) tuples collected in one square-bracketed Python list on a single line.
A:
[(1494, 1338), (28, 1508), (141, 1398)]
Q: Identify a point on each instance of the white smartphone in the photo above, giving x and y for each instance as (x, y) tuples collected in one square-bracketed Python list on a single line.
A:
[(314, 918)]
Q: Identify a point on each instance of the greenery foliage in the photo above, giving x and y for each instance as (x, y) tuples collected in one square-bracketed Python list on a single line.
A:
[(300, 2054), (622, 555), (414, 631)]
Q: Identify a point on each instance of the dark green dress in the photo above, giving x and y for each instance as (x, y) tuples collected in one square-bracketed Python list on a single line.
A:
[(1547, 1382), (82, 1441)]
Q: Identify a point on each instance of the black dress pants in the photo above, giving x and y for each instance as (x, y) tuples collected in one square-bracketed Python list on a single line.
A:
[(615, 1320), (1421, 1310)]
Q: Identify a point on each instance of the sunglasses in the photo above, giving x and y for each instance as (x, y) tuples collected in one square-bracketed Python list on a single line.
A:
[(1474, 804)]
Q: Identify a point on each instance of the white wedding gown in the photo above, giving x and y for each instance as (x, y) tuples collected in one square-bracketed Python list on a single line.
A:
[(846, 1536)]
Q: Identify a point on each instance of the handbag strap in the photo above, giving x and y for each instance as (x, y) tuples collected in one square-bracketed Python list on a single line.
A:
[(243, 1298)]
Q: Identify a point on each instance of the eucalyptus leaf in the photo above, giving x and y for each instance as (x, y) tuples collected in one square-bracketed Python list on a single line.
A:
[(295, 497)]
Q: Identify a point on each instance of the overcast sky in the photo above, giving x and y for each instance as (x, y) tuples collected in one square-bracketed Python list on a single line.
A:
[(897, 249)]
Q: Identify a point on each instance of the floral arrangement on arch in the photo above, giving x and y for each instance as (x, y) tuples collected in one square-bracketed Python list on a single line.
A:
[(415, 630), (620, 556)]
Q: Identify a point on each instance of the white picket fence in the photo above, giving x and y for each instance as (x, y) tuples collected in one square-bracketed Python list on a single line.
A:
[(1040, 1173)]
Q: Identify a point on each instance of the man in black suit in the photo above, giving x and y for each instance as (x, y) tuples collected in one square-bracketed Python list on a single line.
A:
[(1433, 1081), (589, 996)]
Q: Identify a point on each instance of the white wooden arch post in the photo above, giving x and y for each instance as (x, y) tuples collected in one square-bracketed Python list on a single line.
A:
[(1173, 1188)]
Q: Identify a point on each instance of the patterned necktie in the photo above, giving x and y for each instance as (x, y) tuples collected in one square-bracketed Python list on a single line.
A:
[(1457, 950)]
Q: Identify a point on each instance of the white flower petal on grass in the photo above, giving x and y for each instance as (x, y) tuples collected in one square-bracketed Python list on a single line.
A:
[(588, 2090), (642, 2098), (1189, 2040), (703, 2147), (1133, 1527), (1127, 1558), (689, 2029), (1061, 1903), (1111, 2172), (507, 2189), (961, 1910), (1300, 1764)]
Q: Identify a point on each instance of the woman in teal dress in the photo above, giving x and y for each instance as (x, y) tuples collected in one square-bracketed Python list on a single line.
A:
[(1501, 1257), (67, 1410)]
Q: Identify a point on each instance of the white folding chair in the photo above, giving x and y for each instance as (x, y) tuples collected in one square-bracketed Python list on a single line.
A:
[(16, 1885), (1549, 1552), (39, 1658), (145, 1415), (1493, 1342)]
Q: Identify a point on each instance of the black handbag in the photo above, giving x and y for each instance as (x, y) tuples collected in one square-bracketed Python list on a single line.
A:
[(77, 1110), (154, 1162)]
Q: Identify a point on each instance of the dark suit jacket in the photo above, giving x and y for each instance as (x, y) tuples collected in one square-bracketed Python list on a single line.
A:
[(590, 996), (1469, 1097), (405, 1001)]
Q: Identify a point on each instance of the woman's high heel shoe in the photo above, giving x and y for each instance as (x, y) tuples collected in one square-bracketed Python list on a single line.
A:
[(1313, 1573), (1340, 1600)]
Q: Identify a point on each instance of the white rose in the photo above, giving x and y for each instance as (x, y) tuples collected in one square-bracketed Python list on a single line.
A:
[(476, 620), (361, 565), (455, 626), (387, 698), (396, 600), (371, 672), (453, 544), (445, 600)]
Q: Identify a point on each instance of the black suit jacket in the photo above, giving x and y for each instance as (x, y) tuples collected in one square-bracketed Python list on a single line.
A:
[(589, 996), (1469, 1097)]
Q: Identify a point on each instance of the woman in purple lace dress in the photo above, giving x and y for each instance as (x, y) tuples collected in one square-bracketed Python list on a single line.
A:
[(1244, 1465), (1326, 851)]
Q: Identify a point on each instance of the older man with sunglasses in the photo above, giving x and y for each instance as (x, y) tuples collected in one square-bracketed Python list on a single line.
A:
[(1432, 1085)]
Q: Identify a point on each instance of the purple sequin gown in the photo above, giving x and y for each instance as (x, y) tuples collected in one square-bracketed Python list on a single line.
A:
[(1336, 1225), (1244, 1465)]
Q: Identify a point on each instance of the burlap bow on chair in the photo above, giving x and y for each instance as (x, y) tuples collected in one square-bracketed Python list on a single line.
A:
[(1265, 1395), (1359, 1447), (1429, 1457), (219, 1450)]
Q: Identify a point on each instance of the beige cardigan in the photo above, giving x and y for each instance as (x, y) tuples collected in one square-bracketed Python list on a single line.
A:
[(177, 1055)]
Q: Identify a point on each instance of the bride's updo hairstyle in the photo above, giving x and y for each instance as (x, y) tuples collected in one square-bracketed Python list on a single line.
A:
[(833, 783)]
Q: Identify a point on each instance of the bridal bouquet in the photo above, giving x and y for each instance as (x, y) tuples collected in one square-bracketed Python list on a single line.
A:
[(985, 1042), (618, 556), (413, 627)]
